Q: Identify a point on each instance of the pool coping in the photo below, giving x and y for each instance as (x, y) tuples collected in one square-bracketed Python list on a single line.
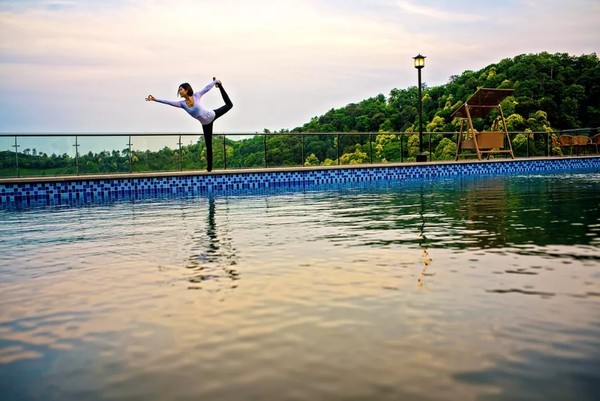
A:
[(59, 190), (263, 170)]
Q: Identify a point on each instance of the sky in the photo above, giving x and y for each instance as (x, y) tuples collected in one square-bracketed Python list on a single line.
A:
[(87, 65)]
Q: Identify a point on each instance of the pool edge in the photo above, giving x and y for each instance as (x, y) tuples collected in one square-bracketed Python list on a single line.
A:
[(65, 189)]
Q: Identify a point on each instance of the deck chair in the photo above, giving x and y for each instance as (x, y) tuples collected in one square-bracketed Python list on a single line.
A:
[(566, 141), (581, 141)]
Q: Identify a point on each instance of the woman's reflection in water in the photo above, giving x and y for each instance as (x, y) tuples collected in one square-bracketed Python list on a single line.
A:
[(214, 258)]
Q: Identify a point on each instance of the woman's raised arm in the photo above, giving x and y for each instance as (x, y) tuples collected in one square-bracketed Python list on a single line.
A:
[(173, 103), (207, 87)]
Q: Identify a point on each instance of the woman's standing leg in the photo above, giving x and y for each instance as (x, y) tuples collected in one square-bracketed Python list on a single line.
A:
[(208, 129)]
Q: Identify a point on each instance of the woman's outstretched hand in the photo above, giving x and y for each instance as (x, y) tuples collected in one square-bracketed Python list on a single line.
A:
[(150, 98)]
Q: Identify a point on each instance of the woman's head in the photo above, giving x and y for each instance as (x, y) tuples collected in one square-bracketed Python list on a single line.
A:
[(186, 89)]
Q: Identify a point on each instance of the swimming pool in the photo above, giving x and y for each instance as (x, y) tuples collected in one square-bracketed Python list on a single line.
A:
[(461, 288)]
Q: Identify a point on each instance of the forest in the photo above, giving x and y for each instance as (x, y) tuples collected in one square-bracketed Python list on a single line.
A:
[(552, 92)]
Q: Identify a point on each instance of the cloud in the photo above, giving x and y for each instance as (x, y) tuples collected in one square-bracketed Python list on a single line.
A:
[(284, 61), (437, 13)]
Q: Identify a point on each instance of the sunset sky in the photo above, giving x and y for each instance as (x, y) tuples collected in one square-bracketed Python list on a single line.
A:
[(87, 65)]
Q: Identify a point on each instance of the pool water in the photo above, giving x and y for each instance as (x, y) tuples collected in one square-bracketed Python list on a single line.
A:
[(462, 289)]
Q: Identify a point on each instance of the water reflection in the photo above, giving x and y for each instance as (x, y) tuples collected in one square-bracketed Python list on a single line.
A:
[(521, 210), (477, 212), (425, 258), (85, 315), (214, 257), (484, 210)]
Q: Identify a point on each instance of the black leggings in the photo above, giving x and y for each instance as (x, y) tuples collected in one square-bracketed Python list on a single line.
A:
[(208, 128)]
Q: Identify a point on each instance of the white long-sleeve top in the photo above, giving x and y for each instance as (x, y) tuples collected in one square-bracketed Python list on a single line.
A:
[(205, 116)]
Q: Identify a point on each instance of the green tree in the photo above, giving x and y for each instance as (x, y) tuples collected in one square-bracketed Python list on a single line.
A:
[(311, 160)]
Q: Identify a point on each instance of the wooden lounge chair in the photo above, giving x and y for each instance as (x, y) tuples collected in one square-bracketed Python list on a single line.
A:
[(581, 141), (595, 141), (566, 141)]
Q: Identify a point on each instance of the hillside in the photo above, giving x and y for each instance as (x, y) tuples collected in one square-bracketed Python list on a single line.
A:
[(566, 88)]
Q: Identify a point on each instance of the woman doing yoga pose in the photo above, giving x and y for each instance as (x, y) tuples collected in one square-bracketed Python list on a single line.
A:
[(191, 104)]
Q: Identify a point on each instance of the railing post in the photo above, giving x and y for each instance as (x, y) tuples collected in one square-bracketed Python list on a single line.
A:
[(180, 154), (337, 153), (429, 133), (401, 148), (265, 146), (371, 145), (303, 156), (76, 155), (16, 146), (224, 154), (130, 155)]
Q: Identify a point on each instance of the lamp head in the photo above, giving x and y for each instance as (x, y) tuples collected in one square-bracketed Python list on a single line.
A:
[(419, 61)]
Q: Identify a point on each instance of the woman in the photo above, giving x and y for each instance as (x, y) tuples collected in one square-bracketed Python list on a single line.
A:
[(191, 104)]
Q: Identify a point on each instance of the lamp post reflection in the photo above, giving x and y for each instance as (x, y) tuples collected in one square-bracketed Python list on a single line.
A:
[(425, 258)]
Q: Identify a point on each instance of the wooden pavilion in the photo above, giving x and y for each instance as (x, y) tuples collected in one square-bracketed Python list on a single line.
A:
[(483, 143)]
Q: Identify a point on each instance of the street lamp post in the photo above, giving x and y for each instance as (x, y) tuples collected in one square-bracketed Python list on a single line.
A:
[(419, 64)]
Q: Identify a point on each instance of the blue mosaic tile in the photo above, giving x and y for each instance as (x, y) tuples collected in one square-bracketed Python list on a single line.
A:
[(126, 188)]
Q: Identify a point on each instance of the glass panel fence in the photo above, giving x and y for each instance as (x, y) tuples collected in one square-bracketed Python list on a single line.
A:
[(51, 154), (164, 153), (8, 166), (193, 152), (46, 156), (103, 154)]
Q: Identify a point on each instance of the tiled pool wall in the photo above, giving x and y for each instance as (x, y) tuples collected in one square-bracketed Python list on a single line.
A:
[(81, 189)]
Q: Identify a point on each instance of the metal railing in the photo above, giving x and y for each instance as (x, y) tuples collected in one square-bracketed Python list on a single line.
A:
[(54, 154)]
